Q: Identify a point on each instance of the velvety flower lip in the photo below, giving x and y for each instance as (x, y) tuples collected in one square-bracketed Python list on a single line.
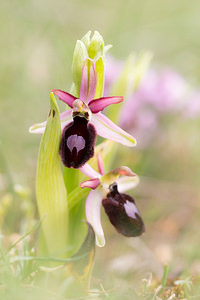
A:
[(107, 190), (77, 142), (123, 213)]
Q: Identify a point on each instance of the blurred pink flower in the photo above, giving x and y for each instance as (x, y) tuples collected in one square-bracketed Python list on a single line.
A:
[(192, 108), (113, 70), (162, 93)]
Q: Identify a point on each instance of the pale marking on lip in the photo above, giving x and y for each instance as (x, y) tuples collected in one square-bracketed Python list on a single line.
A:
[(76, 141), (131, 209)]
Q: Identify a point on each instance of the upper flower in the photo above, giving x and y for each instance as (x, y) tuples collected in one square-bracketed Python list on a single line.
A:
[(83, 121), (107, 190)]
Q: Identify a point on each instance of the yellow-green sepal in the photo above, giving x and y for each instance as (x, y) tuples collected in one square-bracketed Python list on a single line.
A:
[(99, 64)]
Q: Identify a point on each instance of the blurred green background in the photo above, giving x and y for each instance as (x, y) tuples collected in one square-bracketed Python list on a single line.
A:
[(37, 43)]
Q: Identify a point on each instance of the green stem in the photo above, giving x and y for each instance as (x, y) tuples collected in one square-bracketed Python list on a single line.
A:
[(164, 278)]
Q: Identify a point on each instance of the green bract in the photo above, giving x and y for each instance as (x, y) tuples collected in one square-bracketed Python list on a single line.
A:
[(50, 188)]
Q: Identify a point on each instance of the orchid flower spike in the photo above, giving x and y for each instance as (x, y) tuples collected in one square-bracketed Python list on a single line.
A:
[(83, 121), (108, 190)]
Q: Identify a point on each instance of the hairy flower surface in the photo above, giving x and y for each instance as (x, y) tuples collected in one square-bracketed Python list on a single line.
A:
[(84, 120), (108, 190)]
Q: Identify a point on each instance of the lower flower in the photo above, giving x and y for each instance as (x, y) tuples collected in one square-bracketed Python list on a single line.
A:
[(123, 213), (108, 190)]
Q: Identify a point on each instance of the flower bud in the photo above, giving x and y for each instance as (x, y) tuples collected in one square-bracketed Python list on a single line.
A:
[(93, 49)]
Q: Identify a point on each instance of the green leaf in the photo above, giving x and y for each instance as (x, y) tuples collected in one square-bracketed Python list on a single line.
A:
[(50, 188)]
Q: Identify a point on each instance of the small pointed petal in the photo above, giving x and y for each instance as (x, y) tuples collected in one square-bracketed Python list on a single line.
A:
[(107, 129), (100, 164), (126, 183), (98, 105), (91, 183), (88, 80), (89, 171), (39, 128), (65, 97), (93, 214)]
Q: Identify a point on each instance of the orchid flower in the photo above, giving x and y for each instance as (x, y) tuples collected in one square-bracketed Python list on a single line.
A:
[(107, 190), (84, 120)]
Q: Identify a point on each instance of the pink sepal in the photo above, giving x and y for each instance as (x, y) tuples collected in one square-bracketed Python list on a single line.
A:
[(107, 129)]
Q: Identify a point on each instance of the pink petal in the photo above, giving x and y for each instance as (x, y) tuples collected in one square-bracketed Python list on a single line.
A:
[(88, 80), (65, 117), (107, 129), (100, 164), (99, 104), (89, 171), (65, 97), (93, 214), (91, 183)]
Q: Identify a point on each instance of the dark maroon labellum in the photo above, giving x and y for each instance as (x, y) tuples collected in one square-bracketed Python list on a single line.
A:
[(77, 143), (123, 213)]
